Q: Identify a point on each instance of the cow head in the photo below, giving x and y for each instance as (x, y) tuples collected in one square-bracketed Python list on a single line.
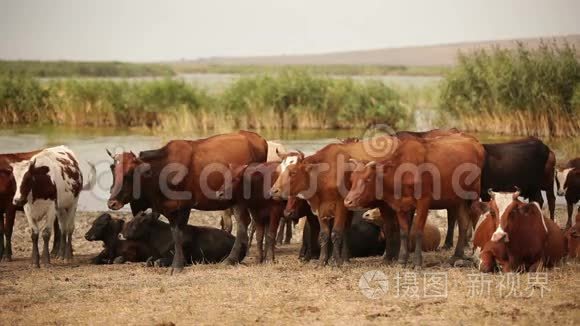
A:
[(229, 188), (500, 207), (6, 179), (294, 176), (561, 180), (27, 178), (295, 208), (141, 226), (103, 227), (126, 169), (363, 185)]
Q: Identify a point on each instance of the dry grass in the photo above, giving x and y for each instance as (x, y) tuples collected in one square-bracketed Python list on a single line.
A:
[(281, 293)]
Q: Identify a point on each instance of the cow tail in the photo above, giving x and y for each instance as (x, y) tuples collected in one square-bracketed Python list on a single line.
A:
[(92, 177)]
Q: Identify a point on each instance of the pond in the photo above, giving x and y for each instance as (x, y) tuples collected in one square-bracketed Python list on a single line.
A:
[(90, 144)]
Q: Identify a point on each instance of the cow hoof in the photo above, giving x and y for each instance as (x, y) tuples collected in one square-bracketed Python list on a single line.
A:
[(229, 262), (447, 246), (8, 258), (150, 262), (119, 260), (35, 265), (176, 270)]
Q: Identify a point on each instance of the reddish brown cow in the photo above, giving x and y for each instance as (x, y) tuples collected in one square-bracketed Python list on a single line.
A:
[(438, 173), (7, 209), (250, 187), (531, 240), (568, 184), (185, 175)]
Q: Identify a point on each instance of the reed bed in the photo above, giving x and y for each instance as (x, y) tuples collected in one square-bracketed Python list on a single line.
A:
[(521, 91), (83, 69), (289, 99)]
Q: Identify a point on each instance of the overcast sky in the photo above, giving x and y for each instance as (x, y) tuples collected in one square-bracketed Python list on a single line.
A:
[(142, 30)]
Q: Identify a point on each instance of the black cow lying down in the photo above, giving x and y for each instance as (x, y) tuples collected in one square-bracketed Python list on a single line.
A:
[(200, 244), (107, 229)]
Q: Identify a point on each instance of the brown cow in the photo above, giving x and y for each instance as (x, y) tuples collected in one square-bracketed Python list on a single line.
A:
[(531, 240), (250, 187), (568, 184), (184, 175), (438, 173)]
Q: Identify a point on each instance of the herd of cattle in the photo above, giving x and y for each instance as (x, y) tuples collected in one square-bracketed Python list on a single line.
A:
[(394, 179)]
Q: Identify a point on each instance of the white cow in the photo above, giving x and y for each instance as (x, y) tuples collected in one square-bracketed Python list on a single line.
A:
[(48, 187)]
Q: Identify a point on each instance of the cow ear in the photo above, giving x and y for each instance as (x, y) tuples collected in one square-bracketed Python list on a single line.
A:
[(480, 207), (311, 167), (517, 193), (109, 153), (281, 156)]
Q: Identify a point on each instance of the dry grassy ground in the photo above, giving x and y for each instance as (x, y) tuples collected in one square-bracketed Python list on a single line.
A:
[(285, 292)]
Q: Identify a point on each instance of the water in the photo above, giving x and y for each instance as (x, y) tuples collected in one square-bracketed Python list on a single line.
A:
[(90, 144)]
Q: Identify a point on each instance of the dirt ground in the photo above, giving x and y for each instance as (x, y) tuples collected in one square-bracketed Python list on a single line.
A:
[(285, 292)]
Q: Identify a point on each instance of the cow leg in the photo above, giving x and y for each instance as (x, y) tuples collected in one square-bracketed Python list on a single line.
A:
[(551, 198), (392, 235), (56, 240), (177, 222), (288, 236), (45, 239), (252, 230), (8, 228), (280, 236), (403, 219), (69, 229), (324, 239), (35, 257), (570, 209), (259, 241), (451, 221), (303, 255), (313, 246), (345, 252), (1, 234), (241, 244), (463, 223), (338, 228), (418, 226), (274, 220)]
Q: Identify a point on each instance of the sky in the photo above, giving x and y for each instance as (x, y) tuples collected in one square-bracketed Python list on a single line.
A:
[(131, 30)]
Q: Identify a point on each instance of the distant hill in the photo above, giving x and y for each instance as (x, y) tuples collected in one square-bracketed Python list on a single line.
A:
[(433, 55)]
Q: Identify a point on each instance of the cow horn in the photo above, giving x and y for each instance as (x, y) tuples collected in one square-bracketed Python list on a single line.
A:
[(371, 164), (517, 193), (109, 152), (352, 160), (301, 155), (490, 192), (32, 164)]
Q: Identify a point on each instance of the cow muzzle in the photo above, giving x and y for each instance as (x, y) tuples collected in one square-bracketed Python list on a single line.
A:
[(561, 192), (19, 202), (349, 203), (114, 204), (276, 193), (121, 237), (90, 237), (498, 235)]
